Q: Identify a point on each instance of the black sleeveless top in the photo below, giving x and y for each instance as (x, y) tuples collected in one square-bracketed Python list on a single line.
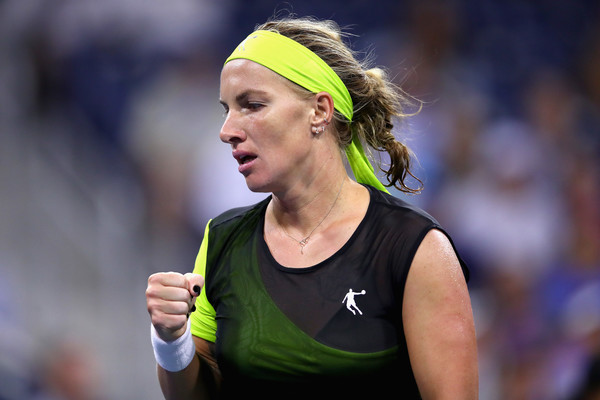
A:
[(327, 331)]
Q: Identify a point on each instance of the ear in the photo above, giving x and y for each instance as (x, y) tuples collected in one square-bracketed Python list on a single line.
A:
[(323, 108)]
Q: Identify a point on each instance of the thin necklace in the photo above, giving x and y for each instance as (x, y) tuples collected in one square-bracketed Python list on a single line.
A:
[(304, 241)]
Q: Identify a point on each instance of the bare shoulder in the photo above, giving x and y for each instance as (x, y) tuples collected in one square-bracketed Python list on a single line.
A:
[(436, 244), (436, 261), (435, 282)]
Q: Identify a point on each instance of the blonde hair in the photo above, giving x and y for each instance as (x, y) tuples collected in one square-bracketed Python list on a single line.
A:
[(377, 101)]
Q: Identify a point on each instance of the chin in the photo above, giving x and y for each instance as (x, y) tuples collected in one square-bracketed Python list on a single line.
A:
[(257, 186)]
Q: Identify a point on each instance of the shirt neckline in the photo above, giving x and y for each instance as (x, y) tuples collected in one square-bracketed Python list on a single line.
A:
[(321, 264)]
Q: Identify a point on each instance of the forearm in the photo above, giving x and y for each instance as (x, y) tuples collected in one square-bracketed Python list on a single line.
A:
[(195, 382), (181, 384)]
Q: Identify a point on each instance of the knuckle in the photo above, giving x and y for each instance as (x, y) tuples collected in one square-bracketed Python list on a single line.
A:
[(152, 307), (151, 292), (154, 277)]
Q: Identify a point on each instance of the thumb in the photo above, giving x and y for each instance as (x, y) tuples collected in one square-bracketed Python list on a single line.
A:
[(195, 283)]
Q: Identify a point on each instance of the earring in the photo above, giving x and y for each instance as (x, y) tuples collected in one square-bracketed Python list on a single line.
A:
[(320, 129)]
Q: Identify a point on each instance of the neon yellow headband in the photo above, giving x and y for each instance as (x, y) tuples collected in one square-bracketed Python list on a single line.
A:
[(300, 65)]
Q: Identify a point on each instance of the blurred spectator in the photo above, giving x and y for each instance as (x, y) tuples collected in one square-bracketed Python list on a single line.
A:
[(67, 372), (170, 117), (505, 212), (16, 344)]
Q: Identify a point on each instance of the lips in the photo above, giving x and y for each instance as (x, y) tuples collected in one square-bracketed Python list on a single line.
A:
[(244, 159)]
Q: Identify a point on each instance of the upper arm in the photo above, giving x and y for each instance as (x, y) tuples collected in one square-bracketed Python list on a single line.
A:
[(203, 324), (438, 322), (203, 319), (204, 327), (206, 352)]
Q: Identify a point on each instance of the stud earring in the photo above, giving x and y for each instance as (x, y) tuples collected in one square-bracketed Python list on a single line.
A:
[(320, 129)]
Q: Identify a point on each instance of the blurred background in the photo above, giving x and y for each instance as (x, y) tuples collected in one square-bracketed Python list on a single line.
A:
[(110, 165)]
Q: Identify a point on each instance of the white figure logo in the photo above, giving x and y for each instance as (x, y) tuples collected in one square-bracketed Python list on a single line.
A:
[(351, 303)]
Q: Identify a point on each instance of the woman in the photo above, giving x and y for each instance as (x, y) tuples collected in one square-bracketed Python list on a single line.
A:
[(329, 287)]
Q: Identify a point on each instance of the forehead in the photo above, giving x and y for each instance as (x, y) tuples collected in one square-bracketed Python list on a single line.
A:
[(241, 74)]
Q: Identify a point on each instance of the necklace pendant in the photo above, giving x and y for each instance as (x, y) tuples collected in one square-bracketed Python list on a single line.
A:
[(303, 243)]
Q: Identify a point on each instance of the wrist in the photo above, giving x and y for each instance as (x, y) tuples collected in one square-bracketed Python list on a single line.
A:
[(174, 355)]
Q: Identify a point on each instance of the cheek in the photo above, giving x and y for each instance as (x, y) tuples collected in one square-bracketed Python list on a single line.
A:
[(274, 129), (283, 127), (295, 122)]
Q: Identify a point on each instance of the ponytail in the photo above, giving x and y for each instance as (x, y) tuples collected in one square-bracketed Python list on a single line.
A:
[(378, 105)]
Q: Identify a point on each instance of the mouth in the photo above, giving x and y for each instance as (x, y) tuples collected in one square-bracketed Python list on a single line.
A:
[(244, 159)]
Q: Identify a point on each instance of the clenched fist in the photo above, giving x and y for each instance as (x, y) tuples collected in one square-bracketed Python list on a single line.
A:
[(170, 298)]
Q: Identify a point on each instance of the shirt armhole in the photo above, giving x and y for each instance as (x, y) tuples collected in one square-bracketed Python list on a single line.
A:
[(203, 323)]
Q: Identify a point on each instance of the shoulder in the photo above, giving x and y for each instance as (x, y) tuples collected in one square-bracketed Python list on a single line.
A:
[(436, 280), (391, 203), (436, 249), (436, 269), (236, 223), (415, 226), (395, 213), (236, 215)]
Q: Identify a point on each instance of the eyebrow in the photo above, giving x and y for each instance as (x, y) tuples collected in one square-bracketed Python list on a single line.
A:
[(244, 95)]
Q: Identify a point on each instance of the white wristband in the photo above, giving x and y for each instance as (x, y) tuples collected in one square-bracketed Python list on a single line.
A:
[(176, 355)]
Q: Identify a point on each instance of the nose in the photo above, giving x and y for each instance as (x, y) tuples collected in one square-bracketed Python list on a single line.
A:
[(231, 131)]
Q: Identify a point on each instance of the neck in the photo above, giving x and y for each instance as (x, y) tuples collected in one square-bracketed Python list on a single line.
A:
[(300, 210), (306, 237), (309, 194)]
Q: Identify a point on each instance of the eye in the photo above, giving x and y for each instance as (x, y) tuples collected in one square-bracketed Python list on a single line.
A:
[(254, 106), (225, 109)]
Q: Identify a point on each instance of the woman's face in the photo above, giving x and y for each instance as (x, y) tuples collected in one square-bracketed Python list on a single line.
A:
[(268, 125)]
